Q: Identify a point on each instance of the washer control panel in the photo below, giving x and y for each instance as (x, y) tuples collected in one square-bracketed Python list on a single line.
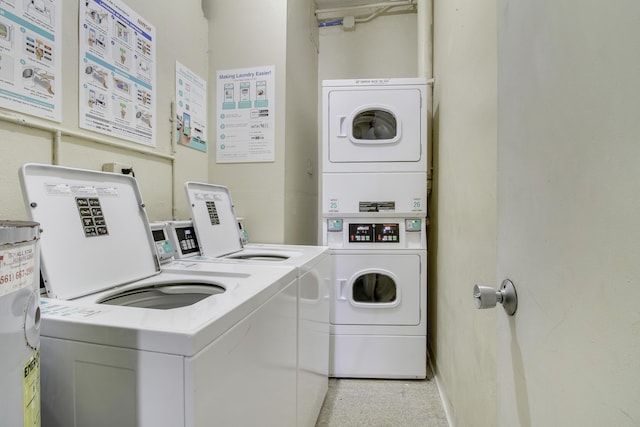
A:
[(383, 233)]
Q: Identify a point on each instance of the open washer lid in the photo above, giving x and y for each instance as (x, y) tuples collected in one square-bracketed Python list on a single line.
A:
[(214, 219), (95, 231)]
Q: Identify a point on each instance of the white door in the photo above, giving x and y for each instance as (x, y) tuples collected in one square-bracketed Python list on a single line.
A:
[(569, 212), (374, 125)]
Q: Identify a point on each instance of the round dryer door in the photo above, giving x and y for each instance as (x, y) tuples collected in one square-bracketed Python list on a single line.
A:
[(377, 289)]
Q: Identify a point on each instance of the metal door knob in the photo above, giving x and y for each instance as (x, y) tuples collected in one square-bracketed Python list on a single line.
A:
[(488, 297)]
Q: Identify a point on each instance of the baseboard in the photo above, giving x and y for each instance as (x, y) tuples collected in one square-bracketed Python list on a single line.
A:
[(445, 402)]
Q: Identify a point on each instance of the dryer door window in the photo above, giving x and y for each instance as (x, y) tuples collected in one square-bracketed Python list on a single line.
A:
[(375, 125), (374, 288)]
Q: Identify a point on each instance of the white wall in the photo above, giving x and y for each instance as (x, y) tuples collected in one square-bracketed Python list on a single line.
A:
[(19, 144), (276, 199)]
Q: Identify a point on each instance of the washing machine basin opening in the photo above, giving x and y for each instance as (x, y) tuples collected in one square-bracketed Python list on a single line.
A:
[(260, 257), (164, 296)]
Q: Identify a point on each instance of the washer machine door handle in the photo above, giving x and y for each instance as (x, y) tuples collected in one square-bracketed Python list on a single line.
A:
[(340, 289)]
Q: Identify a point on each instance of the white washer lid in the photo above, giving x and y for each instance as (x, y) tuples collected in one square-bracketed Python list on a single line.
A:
[(95, 231), (214, 219)]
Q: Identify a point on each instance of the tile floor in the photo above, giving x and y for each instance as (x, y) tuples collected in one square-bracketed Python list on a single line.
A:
[(382, 403)]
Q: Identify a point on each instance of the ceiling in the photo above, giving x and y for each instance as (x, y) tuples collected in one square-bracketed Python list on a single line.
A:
[(324, 7), (329, 4)]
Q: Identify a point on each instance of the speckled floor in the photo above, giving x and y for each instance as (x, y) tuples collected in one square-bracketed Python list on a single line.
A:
[(382, 403)]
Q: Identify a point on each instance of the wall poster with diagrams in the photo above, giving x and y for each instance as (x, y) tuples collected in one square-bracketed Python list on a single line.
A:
[(246, 115), (117, 71), (30, 57), (191, 109)]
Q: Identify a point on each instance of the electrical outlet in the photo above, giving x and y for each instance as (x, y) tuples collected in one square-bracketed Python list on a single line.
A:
[(117, 168)]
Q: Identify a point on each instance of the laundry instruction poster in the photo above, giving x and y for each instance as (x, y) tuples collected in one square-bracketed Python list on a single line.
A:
[(191, 109), (30, 57), (117, 71), (246, 115)]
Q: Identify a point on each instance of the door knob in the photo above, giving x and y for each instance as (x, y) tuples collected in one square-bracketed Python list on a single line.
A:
[(488, 297)]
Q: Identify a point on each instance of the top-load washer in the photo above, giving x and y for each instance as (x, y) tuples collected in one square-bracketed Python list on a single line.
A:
[(374, 146), (125, 343), (213, 235)]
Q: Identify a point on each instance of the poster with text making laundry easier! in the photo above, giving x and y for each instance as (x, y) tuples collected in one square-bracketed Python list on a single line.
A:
[(246, 115), (30, 57), (117, 71), (191, 109)]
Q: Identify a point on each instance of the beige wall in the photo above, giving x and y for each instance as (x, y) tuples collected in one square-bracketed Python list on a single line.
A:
[(463, 245), (301, 154), (568, 204), (462, 237), (276, 199), (20, 144), (384, 47)]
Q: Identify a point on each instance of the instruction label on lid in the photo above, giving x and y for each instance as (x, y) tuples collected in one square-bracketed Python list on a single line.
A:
[(17, 267)]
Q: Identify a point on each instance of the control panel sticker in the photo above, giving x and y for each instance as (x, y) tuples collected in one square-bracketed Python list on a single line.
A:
[(107, 191), (79, 190), (187, 240), (366, 207), (387, 233), (57, 189), (31, 391), (91, 216), (17, 268), (374, 233), (213, 213), (361, 233), (84, 191)]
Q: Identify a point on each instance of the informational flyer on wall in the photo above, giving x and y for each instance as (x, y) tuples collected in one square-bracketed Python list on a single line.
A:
[(30, 57), (117, 71), (191, 109), (246, 122)]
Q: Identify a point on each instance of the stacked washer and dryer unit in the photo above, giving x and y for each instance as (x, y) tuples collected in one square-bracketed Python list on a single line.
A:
[(374, 207)]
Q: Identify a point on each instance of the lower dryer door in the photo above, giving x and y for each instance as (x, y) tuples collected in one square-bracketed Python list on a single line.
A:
[(377, 289)]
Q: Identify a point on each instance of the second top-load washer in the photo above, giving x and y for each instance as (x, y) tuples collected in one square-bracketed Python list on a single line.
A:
[(213, 235), (124, 343)]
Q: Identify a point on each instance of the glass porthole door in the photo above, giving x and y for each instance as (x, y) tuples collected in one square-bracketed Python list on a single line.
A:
[(376, 289), (374, 125)]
